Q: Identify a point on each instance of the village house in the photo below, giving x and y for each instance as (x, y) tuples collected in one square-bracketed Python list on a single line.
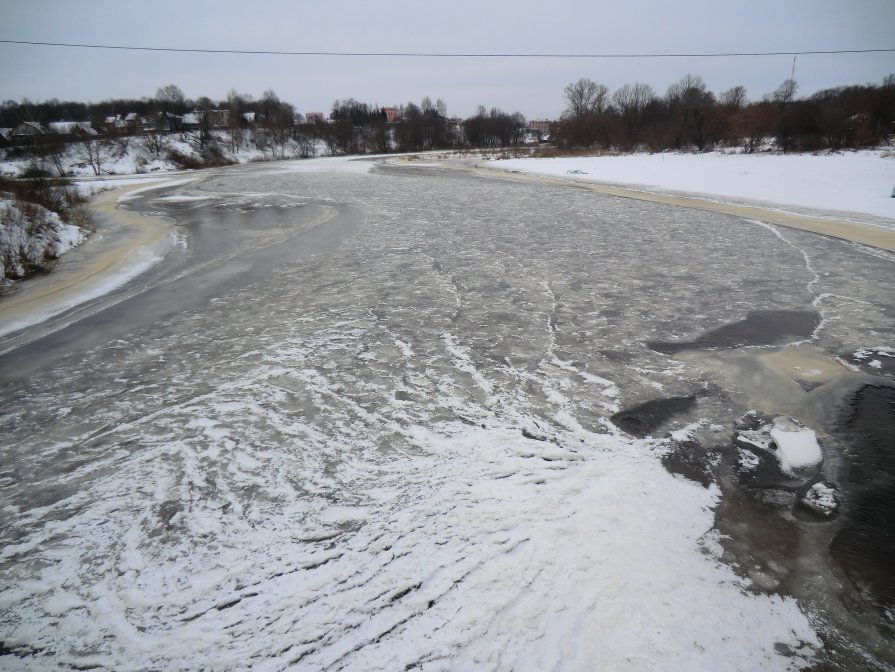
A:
[(81, 129), (29, 129)]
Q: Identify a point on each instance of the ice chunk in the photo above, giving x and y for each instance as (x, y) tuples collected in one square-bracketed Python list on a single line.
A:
[(797, 446), (821, 498), (748, 461)]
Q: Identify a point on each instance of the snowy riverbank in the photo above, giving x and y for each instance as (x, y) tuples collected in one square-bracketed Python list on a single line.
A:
[(125, 245), (853, 182)]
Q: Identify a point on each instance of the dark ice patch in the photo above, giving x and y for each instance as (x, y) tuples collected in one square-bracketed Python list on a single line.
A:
[(760, 327), (644, 419), (617, 355), (865, 547), (690, 460)]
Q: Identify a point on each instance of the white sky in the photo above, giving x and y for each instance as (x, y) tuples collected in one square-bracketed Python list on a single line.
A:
[(533, 87)]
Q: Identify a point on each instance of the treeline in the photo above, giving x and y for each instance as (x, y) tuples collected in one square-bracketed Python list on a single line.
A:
[(168, 99), (690, 116), (358, 128), (686, 116), (352, 127)]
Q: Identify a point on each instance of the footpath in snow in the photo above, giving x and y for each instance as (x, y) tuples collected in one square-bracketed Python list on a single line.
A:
[(851, 182)]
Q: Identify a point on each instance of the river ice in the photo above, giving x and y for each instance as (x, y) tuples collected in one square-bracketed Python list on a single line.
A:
[(395, 452)]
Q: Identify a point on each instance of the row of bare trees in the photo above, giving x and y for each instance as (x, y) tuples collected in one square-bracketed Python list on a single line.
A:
[(688, 115), (357, 128), (268, 123)]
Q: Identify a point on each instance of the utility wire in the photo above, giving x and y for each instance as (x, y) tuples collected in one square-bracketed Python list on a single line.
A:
[(404, 54)]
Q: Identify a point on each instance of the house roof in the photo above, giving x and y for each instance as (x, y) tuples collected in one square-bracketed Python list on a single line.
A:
[(29, 128), (68, 127)]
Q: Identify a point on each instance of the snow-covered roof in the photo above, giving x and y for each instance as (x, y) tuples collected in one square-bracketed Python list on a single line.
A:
[(249, 117), (70, 127), (29, 128), (191, 118)]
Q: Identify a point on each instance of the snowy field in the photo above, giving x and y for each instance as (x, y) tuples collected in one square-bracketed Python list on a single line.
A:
[(851, 182), (391, 448)]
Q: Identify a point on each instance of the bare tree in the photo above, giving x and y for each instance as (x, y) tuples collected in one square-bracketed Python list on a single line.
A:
[(235, 108), (631, 101), (278, 118), (51, 152), (784, 95), (690, 100), (752, 124), (171, 98), (734, 98), (153, 141), (584, 98), (92, 152), (306, 135), (731, 104)]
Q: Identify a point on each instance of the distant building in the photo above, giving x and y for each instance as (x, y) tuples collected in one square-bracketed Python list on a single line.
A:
[(29, 129), (191, 120), (115, 123), (391, 113), (315, 117), (541, 126), (218, 118), (72, 128), (166, 121)]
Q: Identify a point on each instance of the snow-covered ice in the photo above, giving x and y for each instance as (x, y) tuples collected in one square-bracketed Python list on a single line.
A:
[(396, 451), (855, 182), (797, 446), (821, 498), (794, 446)]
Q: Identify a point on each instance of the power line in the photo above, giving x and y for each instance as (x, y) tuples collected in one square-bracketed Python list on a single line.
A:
[(407, 54)]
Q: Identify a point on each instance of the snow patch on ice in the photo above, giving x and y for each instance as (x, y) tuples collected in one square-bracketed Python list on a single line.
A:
[(879, 351), (158, 183), (747, 460), (794, 446), (797, 446), (183, 198), (821, 498)]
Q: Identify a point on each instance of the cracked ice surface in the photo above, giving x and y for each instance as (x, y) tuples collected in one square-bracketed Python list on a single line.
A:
[(327, 469)]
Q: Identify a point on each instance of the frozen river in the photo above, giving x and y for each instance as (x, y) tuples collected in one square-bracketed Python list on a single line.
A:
[(386, 417)]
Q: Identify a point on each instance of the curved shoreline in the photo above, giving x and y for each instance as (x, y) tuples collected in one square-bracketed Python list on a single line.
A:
[(125, 245)]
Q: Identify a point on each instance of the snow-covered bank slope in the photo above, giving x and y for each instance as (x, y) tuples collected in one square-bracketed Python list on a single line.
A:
[(859, 182), (31, 237)]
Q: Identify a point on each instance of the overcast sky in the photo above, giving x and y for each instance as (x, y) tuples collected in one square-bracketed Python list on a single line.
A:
[(530, 86)]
